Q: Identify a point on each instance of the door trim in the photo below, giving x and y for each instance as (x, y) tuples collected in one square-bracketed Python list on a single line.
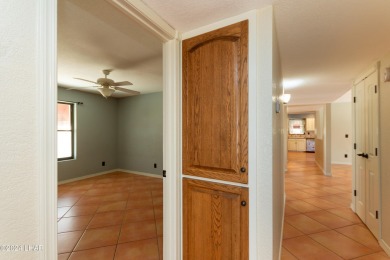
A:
[(146, 17), (47, 99), (46, 72)]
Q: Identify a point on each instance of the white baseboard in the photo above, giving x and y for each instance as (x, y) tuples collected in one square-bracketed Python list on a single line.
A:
[(141, 173), (281, 235), (86, 176), (319, 166), (353, 207), (385, 246), (343, 163), (111, 171)]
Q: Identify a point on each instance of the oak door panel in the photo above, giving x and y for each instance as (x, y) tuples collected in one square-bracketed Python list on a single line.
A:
[(215, 104), (215, 224)]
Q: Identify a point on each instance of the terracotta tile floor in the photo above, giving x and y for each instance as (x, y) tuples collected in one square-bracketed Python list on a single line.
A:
[(112, 216), (319, 224)]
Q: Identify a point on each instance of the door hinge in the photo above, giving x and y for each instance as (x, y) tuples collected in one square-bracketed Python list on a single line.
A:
[(376, 214), (354, 99), (376, 151), (354, 193), (164, 173), (376, 90), (354, 146)]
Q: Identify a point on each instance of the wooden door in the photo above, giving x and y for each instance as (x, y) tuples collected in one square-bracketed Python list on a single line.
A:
[(372, 161), (215, 104), (360, 162), (215, 221)]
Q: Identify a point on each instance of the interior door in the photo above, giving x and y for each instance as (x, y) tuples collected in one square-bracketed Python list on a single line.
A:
[(372, 145), (366, 157), (360, 161)]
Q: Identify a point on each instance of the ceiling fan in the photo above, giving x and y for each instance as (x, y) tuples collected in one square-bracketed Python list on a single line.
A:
[(107, 86)]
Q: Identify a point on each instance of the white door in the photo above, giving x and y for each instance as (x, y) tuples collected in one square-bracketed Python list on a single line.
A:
[(360, 162), (366, 153), (372, 145)]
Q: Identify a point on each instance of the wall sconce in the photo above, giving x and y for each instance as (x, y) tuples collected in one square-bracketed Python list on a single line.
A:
[(387, 74), (284, 98)]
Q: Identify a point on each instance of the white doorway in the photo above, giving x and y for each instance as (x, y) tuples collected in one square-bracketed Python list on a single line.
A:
[(147, 19)]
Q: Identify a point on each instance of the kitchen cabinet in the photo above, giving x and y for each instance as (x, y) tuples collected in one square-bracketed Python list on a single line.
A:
[(310, 124), (216, 220), (298, 145)]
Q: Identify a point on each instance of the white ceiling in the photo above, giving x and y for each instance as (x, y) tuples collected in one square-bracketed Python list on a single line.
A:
[(93, 35), (324, 44)]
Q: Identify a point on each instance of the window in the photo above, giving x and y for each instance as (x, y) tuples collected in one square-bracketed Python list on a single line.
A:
[(65, 131), (296, 127)]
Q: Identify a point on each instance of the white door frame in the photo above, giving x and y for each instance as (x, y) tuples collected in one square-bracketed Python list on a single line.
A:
[(47, 100)]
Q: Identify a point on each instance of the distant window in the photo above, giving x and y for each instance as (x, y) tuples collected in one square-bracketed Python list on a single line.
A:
[(65, 131), (296, 127)]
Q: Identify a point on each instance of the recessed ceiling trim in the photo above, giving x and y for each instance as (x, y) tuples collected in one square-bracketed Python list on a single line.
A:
[(137, 10)]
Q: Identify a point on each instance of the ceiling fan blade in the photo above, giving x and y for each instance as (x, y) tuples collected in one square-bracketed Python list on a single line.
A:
[(87, 80), (122, 83), (132, 92), (76, 88)]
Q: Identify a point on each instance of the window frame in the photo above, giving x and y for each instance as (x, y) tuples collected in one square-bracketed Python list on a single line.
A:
[(72, 131)]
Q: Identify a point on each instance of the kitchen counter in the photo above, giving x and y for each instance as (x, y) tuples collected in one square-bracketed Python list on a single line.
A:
[(296, 144), (301, 144)]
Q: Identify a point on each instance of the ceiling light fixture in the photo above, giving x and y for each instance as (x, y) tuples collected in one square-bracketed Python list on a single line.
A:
[(285, 98), (106, 91)]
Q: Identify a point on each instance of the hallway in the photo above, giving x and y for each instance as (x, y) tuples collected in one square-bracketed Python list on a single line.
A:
[(319, 223)]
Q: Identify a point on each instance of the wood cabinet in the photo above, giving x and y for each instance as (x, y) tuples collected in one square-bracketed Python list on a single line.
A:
[(215, 144), (310, 124), (298, 145), (215, 217), (291, 145), (215, 104)]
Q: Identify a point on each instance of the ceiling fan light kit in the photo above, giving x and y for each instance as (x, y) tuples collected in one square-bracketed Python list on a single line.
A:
[(107, 86), (106, 91)]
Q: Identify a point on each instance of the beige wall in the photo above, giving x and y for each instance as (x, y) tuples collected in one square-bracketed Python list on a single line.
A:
[(384, 150), (323, 138), (20, 130), (319, 155), (341, 124), (269, 174), (278, 154)]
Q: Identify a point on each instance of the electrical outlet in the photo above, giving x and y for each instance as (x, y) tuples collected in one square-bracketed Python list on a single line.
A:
[(103, 163), (155, 165), (345, 155)]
